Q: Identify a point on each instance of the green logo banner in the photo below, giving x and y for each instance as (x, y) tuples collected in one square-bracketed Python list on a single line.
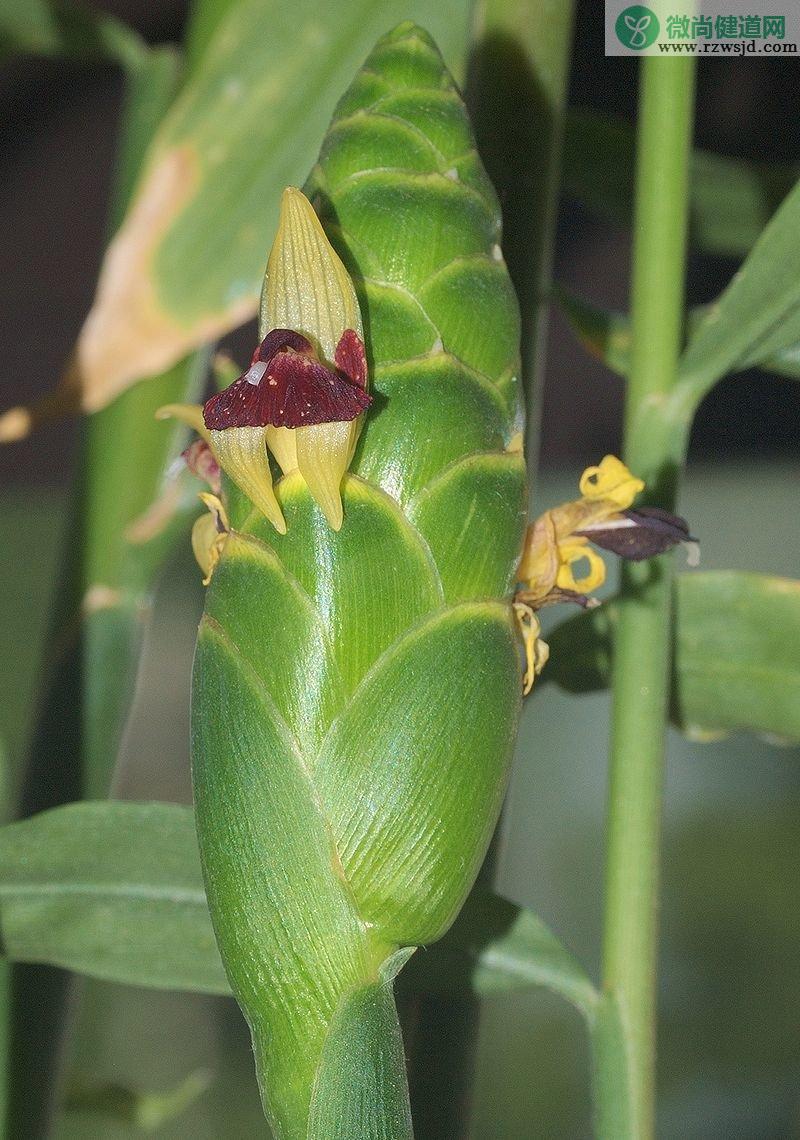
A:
[(705, 27)]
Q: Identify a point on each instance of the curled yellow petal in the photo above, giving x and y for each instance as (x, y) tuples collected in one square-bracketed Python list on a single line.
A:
[(209, 535), (537, 651), (307, 288), (540, 561), (610, 480), (189, 414), (576, 550), (242, 454)]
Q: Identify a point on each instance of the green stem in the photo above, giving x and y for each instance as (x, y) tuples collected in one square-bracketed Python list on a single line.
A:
[(642, 643)]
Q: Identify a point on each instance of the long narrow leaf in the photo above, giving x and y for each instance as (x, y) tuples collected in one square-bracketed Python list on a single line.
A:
[(114, 890), (188, 262), (497, 947), (606, 334), (731, 199), (758, 315)]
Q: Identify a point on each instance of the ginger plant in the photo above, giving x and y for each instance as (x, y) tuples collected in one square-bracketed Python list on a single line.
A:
[(357, 681)]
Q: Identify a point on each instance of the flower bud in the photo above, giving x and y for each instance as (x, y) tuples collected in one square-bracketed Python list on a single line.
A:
[(307, 288), (305, 389)]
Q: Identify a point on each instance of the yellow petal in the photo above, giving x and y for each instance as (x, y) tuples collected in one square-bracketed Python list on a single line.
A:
[(540, 561), (572, 551), (307, 288), (189, 414), (242, 455), (324, 452), (209, 535), (537, 651), (610, 480), (281, 442)]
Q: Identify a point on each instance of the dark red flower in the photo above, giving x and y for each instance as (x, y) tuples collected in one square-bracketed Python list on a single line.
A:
[(287, 386)]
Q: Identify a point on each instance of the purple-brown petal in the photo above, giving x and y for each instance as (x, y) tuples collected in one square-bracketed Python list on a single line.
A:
[(278, 339), (639, 534), (306, 392), (351, 358), (290, 390)]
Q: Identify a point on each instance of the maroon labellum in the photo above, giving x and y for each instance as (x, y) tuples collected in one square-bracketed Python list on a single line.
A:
[(287, 386), (639, 533)]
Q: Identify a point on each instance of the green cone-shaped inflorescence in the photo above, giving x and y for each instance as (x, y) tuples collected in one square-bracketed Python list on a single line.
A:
[(356, 690)]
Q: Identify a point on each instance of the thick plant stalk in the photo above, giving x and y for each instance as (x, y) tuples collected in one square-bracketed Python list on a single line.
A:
[(642, 641), (356, 692)]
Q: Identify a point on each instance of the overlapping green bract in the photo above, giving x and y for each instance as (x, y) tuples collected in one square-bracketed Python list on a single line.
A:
[(357, 693)]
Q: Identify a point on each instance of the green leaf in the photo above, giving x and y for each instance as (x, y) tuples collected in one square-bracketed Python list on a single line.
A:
[(113, 890), (496, 947), (737, 655), (151, 83), (361, 1087), (602, 332), (406, 754), (731, 199), (76, 879), (607, 335), (195, 236), (738, 648), (205, 17), (758, 315), (46, 27)]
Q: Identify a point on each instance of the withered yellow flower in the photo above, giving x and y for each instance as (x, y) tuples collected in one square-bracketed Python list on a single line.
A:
[(559, 540), (209, 535)]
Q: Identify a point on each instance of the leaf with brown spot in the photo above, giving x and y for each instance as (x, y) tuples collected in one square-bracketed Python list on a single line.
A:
[(187, 262)]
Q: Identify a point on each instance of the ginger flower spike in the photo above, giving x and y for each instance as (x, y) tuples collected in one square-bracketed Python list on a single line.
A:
[(306, 387), (559, 540)]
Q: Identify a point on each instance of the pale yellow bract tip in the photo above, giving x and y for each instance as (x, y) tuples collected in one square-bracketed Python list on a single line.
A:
[(307, 288)]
